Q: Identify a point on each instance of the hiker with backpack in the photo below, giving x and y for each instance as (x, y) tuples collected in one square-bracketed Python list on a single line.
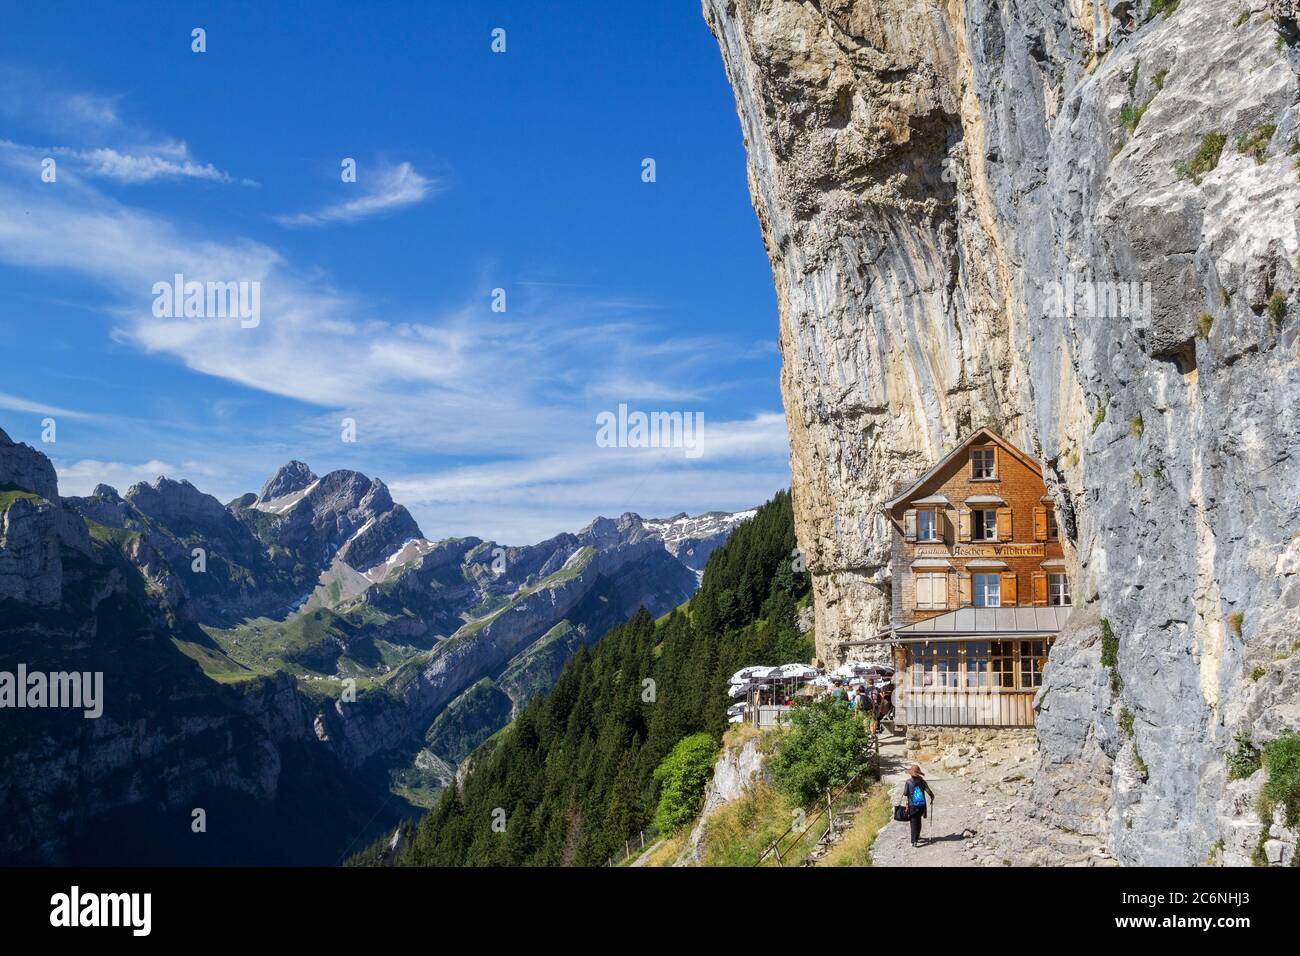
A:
[(913, 794), (862, 702)]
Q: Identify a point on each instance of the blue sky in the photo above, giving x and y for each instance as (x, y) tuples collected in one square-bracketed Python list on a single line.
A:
[(475, 171)]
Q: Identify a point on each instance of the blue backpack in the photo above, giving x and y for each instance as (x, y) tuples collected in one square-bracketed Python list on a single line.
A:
[(918, 793)]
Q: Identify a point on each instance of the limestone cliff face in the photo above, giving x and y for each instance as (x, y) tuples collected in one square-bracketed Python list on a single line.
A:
[(940, 185)]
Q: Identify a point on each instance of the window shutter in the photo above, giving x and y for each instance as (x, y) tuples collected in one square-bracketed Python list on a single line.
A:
[(1040, 587), (1004, 524), (941, 524), (963, 518), (1040, 524), (963, 590), (909, 524), (1008, 588)]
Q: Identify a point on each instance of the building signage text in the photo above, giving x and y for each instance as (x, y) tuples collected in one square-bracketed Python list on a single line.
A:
[(981, 551)]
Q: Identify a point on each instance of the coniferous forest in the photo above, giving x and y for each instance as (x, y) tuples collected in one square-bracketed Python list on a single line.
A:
[(573, 776)]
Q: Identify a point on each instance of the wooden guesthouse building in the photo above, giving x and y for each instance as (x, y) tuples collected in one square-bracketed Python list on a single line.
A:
[(980, 589)]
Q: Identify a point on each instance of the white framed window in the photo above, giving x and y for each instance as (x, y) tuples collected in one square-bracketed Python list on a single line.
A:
[(927, 526), (984, 524), (931, 590), (987, 590), (1058, 590), (1052, 531), (982, 463)]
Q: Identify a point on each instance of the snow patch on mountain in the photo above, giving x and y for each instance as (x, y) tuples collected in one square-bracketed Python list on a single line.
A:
[(278, 506)]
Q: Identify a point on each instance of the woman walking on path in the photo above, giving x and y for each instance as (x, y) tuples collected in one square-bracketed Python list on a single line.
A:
[(913, 793)]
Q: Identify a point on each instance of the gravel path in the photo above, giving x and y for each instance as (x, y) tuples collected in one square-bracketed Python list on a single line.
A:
[(941, 835), (977, 817)]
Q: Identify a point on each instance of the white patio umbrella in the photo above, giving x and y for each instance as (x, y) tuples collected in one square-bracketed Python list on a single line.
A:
[(801, 672), (757, 672), (793, 674)]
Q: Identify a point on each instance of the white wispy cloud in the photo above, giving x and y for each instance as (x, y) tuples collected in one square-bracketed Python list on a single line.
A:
[(89, 110), (78, 478), (15, 403), (97, 141), (79, 113), (389, 189), (126, 168), (517, 392), (518, 501)]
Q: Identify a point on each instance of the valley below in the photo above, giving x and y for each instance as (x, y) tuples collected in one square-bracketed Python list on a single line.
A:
[(302, 660)]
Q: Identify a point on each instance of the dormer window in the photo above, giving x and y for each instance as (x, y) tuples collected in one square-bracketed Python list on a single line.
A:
[(983, 464)]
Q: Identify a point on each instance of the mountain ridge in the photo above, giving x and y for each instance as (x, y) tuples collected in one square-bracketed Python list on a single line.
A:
[(341, 685)]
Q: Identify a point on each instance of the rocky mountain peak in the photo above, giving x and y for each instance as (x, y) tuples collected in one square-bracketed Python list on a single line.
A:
[(25, 468), (33, 534), (168, 499), (606, 532), (295, 476), (105, 491)]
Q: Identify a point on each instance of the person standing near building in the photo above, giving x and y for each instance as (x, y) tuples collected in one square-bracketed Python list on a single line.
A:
[(913, 794), (863, 703)]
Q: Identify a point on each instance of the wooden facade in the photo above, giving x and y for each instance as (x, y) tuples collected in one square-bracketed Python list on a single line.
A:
[(980, 587)]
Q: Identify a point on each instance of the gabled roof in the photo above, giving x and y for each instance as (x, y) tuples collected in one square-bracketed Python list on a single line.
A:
[(980, 436)]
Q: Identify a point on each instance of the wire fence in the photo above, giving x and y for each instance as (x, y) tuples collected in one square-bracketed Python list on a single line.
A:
[(636, 843), (775, 850)]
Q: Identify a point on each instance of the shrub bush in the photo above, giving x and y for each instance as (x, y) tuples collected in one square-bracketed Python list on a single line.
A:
[(682, 776), (1256, 142), (1243, 761), (1205, 160), (1110, 655), (1282, 761), (1277, 306), (827, 747)]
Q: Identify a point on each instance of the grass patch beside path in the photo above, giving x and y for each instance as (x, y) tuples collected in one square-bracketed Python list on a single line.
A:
[(855, 847), (738, 833), (668, 851)]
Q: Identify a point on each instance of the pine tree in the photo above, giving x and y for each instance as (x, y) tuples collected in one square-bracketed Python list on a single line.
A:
[(574, 773)]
